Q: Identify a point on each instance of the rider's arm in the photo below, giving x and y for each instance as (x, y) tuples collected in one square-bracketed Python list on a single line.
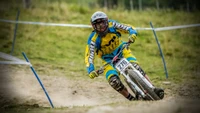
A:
[(124, 28), (90, 54)]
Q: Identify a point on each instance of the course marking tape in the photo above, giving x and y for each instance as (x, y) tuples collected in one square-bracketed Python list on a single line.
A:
[(176, 27), (12, 59), (9, 57), (14, 62), (48, 24), (89, 26)]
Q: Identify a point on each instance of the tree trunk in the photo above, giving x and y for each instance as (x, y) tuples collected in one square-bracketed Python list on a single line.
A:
[(131, 4), (188, 6), (140, 5), (157, 4), (27, 3), (105, 3)]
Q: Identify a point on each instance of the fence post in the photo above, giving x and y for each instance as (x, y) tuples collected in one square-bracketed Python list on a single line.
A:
[(15, 32), (38, 79), (163, 59)]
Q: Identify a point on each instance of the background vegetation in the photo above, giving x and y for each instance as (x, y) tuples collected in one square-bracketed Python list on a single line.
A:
[(62, 48), (184, 5)]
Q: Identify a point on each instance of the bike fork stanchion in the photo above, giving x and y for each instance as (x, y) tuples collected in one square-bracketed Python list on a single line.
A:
[(163, 59), (38, 79)]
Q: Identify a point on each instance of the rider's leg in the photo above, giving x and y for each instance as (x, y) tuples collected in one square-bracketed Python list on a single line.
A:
[(116, 83), (113, 79)]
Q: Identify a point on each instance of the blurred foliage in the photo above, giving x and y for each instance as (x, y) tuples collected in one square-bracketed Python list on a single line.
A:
[(186, 5), (183, 5)]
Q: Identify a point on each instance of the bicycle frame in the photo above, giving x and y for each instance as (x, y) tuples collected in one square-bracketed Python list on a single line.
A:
[(122, 65)]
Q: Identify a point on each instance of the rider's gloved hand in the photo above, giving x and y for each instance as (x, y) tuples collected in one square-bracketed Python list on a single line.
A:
[(132, 38), (93, 74)]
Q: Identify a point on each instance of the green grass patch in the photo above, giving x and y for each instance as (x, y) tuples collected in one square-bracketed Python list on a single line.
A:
[(63, 48)]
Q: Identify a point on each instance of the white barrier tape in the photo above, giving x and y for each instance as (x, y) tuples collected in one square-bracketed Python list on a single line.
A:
[(9, 57), (139, 28), (176, 27), (170, 27), (89, 26), (14, 62), (48, 24)]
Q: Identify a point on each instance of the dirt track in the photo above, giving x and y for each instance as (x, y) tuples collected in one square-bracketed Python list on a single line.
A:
[(21, 87)]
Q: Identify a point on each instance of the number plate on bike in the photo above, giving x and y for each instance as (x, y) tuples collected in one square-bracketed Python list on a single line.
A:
[(122, 64)]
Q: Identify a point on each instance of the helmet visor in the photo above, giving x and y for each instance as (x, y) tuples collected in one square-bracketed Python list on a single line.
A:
[(100, 25)]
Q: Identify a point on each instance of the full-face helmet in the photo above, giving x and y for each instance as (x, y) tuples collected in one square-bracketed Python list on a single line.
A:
[(99, 21)]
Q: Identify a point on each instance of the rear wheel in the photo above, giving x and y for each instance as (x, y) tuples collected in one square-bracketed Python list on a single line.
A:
[(151, 95)]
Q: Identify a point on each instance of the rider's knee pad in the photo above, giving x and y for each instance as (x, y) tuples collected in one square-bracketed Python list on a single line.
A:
[(116, 83), (138, 68)]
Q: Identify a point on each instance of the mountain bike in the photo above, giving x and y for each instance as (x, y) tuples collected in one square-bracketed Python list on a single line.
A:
[(139, 85)]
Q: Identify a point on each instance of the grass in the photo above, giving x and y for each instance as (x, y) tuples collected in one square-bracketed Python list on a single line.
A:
[(63, 47)]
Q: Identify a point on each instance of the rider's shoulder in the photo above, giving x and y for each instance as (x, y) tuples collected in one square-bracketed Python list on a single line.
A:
[(110, 20), (93, 33), (113, 23), (92, 36)]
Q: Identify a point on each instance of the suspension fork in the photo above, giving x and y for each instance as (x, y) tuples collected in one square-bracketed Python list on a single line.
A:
[(128, 79), (143, 77)]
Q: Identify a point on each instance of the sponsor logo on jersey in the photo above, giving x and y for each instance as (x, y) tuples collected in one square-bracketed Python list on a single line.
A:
[(92, 50)]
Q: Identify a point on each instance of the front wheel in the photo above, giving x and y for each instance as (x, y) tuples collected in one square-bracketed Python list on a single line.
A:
[(137, 95), (148, 91)]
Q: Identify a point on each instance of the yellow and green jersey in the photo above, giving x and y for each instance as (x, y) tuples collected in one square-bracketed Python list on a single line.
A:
[(106, 47)]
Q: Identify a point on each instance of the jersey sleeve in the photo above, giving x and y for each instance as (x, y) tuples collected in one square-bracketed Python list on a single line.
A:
[(90, 54), (124, 28)]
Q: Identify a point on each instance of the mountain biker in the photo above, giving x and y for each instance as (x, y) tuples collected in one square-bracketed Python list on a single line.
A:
[(105, 41)]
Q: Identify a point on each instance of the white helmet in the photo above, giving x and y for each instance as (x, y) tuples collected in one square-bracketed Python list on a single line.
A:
[(99, 21)]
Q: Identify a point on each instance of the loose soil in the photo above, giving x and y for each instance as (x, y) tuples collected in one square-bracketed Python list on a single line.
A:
[(20, 88)]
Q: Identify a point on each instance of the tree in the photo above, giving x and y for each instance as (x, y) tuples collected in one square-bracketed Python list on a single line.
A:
[(27, 3)]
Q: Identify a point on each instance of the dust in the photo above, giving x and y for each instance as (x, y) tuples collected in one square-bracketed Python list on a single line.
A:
[(21, 87), (163, 106)]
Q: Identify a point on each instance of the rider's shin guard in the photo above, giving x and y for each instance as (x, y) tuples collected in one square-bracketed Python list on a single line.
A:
[(116, 83)]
